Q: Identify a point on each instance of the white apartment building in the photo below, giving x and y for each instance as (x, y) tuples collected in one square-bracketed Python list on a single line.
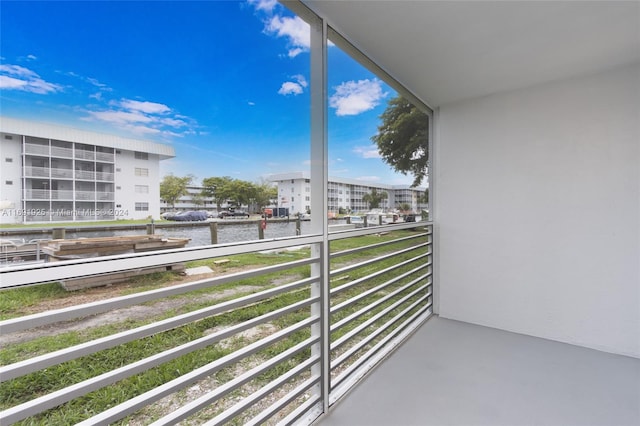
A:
[(294, 193), (53, 174)]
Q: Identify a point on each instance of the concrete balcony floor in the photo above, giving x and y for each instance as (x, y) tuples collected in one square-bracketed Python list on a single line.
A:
[(455, 373)]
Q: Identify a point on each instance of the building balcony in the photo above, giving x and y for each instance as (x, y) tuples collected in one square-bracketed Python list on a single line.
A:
[(35, 149), (61, 195), (105, 196), (36, 171), (85, 155), (105, 176), (60, 152), (105, 157), (62, 173), (85, 175), (85, 195), (456, 373), (37, 194), (272, 343)]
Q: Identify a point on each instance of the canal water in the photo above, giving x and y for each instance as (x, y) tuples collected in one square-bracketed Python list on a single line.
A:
[(198, 235)]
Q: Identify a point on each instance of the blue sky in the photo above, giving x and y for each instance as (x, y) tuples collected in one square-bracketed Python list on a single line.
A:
[(224, 82)]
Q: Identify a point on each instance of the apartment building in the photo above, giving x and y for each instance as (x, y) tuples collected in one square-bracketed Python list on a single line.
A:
[(294, 192), (53, 174)]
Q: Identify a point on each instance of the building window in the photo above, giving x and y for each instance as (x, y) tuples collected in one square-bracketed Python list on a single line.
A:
[(118, 151), (8, 137), (306, 198), (142, 189), (141, 155), (9, 160), (8, 182), (118, 187), (142, 172), (118, 170), (292, 199), (142, 207)]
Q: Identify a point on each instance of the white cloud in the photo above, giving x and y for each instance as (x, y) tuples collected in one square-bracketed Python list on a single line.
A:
[(295, 30), (143, 118), (31, 57), (355, 97), (146, 107), (290, 88), (15, 77), (121, 117), (366, 152), (293, 87), (264, 5)]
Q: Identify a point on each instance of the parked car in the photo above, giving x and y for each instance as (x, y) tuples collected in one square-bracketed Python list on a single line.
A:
[(234, 213), (189, 216), (410, 218)]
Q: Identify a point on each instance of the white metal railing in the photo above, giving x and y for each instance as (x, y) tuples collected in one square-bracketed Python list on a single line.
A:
[(267, 344), (104, 196), (57, 151), (30, 148), (85, 175), (85, 155), (85, 195), (62, 173), (37, 194), (105, 176), (30, 171), (107, 157), (61, 195)]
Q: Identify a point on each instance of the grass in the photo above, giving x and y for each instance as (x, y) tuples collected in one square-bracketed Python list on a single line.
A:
[(23, 301)]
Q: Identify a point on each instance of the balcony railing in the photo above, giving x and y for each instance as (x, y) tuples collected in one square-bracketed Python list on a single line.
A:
[(62, 173), (263, 344), (37, 194), (57, 151), (85, 155), (62, 195), (34, 149), (85, 175), (104, 196), (106, 157), (104, 176), (30, 171), (85, 195)]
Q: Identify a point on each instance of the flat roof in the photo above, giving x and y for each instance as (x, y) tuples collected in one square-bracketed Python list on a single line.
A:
[(68, 134), (347, 181)]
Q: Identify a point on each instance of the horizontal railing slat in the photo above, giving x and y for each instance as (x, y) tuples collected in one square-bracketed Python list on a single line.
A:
[(195, 406), (94, 308), (134, 404), (34, 364), (53, 399)]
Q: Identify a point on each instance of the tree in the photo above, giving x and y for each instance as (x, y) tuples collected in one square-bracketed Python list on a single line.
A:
[(218, 188), (404, 207), (374, 198), (403, 138), (173, 187), (265, 194)]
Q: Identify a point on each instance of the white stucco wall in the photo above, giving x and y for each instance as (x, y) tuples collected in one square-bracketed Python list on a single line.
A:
[(538, 211), (11, 208)]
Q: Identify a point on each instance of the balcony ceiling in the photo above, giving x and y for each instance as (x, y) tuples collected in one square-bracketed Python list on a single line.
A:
[(449, 51)]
